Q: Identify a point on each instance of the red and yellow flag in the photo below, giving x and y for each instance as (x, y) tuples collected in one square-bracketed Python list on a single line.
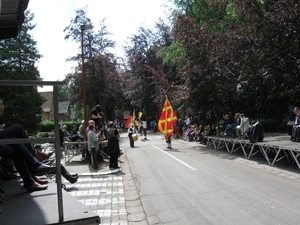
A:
[(128, 122), (130, 119), (167, 119)]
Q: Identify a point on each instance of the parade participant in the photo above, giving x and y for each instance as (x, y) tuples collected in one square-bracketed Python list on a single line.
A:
[(169, 142), (144, 127), (131, 131)]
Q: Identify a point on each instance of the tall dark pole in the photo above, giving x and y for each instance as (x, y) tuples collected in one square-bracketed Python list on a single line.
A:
[(84, 86)]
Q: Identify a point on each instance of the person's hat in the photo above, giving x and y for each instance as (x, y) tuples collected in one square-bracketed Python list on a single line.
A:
[(38, 146)]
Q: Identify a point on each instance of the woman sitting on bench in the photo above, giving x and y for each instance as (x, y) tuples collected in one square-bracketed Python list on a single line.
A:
[(22, 159)]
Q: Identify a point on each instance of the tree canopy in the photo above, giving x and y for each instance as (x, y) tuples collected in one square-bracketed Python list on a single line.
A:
[(212, 56), (17, 62)]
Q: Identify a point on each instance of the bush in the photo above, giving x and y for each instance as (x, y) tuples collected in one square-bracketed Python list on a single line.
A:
[(48, 126), (43, 134)]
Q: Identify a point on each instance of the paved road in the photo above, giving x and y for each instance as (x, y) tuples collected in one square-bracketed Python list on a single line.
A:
[(196, 185)]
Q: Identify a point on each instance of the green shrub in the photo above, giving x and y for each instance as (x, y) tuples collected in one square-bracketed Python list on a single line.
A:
[(48, 126)]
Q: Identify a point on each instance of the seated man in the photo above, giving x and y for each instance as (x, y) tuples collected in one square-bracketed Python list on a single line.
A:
[(25, 162), (209, 131), (75, 136), (14, 131), (72, 178), (244, 125), (40, 155), (296, 126), (26, 151), (226, 121), (190, 134), (230, 128), (187, 132)]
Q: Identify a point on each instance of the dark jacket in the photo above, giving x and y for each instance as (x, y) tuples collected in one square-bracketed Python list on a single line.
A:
[(113, 141)]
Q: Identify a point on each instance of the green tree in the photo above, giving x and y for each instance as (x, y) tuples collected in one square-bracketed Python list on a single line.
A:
[(244, 56), (146, 79), (17, 62), (63, 93), (269, 54), (101, 67)]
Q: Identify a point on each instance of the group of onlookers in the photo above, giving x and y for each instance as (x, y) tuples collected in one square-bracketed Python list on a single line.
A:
[(193, 129)]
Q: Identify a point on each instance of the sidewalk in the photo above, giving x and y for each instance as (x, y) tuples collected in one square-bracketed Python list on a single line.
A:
[(113, 196)]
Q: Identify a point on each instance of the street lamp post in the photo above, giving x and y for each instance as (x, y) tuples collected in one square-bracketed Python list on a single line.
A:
[(83, 28)]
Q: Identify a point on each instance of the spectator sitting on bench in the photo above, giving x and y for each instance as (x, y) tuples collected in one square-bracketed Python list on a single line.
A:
[(201, 134), (194, 133), (65, 132), (188, 130), (23, 162), (14, 131), (209, 131), (72, 178), (75, 136), (243, 126), (226, 122), (40, 155), (295, 137), (230, 128), (22, 150)]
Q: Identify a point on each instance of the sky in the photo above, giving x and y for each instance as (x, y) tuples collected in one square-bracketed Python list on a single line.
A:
[(123, 19)]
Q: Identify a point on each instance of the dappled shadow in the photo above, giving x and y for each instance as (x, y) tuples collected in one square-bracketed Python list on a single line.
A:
[(283, 164)]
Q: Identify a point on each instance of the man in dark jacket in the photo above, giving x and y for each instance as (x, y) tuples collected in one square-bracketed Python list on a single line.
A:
[(296, 126), (113, 149)]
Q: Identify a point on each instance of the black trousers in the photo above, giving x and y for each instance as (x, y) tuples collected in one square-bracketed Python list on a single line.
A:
[(113, 160), (17, 131), (295, 132), (131, 141), (23, 161)]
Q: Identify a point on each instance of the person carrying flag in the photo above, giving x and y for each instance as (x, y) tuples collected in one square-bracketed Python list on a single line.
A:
[(166, 122)]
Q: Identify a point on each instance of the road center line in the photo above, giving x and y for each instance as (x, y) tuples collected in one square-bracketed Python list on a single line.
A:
[(183, 163)]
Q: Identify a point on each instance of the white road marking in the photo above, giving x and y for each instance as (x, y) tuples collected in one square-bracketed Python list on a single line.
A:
[(183, 163)]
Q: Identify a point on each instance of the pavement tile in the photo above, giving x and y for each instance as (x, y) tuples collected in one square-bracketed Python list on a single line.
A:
[(107, 193)]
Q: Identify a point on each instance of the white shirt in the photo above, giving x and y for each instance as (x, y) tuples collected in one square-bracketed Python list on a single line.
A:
[(145, 124), (188, 121)]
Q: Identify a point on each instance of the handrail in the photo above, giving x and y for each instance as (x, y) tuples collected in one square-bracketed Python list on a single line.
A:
[(26, 140), (55, 85), (30, 83)]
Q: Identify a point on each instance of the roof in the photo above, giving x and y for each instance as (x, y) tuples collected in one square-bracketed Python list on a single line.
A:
[(63, 106), (48, 104), (11, 17)]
